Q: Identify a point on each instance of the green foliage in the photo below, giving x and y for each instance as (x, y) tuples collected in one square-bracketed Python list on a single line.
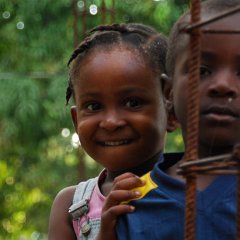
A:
[(36, 161)]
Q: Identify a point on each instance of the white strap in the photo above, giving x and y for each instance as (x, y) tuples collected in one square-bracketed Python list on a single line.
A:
[(81, 198)]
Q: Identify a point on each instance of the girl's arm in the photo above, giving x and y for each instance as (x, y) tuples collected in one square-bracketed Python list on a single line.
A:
[(113, 207), (60, 223)]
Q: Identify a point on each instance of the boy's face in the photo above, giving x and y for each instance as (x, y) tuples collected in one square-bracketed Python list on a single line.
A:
[(119, 114), (219, 88)]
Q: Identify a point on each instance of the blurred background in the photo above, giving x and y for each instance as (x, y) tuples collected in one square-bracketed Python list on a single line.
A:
[(39, 151)]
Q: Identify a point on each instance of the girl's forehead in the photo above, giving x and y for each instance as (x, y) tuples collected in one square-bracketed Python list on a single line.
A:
[(116, 52), (117, 47)]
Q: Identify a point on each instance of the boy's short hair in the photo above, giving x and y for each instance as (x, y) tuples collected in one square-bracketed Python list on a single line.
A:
[(178, 39)]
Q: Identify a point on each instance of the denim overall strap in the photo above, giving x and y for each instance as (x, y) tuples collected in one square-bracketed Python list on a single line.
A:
[(79, 209)]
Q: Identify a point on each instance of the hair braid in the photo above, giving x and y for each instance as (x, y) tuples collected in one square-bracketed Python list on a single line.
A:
[(81, 48), (145, 39), (69, 91), (122, 28)]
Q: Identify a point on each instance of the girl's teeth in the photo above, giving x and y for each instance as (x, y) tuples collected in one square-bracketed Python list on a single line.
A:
[(115, 143)]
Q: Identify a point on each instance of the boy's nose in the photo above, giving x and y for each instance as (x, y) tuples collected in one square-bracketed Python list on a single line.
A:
[(224, 84), (112, 120)]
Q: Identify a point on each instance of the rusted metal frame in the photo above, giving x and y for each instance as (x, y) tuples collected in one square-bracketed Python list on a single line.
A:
[(192, 120), (103, 12), (205, 160), (84, 18), (218, 167), (84, 14), (238, 205), (214, 19), (236, 157), (210, 31), (75, 23), (224, 164), (191, 154), (112, 11)]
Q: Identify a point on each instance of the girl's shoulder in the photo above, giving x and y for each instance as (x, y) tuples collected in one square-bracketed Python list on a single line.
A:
[(60, 222), (66, 194)]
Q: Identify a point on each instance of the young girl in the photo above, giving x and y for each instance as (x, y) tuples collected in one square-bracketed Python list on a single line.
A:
[(119, 116)]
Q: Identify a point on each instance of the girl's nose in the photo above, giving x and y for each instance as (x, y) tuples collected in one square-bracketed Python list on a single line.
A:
[(112, 121), (224, 84)]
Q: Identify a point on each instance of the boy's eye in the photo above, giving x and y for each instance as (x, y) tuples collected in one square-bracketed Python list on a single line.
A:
[(133, 103), (94, 106), (204, 71), (238, 72)]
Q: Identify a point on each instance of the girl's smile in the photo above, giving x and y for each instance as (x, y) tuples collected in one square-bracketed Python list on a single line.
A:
[(115, 143)]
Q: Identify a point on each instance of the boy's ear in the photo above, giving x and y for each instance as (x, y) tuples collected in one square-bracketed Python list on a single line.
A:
[(74, 116), (172, 122), (166, 84)]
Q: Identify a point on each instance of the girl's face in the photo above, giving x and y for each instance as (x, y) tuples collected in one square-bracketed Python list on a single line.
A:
[(119, 114), (219, 88)]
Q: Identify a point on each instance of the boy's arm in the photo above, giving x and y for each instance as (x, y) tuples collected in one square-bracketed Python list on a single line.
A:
[(113, 207), (60, 223)]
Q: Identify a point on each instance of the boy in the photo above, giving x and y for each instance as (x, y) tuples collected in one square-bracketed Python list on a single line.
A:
[(159, 213)]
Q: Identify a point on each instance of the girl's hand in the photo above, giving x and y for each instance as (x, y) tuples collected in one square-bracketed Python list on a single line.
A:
[(122, 191)]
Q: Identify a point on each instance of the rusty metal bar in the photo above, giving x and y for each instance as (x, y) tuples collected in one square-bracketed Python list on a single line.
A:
[(75, 23), (103, 12), (236, 156), (192, 120), (210, 31), (206, 22), (224, 164), (112, 11), (84, 17)]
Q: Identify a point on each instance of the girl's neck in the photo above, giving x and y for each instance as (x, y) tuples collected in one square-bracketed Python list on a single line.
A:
[(140, 170)]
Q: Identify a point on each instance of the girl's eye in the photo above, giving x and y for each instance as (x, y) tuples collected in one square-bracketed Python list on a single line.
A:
[(204, 71), (94, 106), (133, 103)]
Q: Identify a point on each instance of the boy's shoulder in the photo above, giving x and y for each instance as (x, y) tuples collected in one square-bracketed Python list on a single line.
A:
[(169, 159), (166, 161)]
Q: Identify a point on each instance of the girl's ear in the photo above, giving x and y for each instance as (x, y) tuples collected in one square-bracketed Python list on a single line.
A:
[(166, 84), (74, 117)]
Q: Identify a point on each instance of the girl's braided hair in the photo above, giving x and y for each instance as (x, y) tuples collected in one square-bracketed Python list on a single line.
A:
[(145, 39)]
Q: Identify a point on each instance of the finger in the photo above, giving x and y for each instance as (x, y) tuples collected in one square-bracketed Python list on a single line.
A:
[(109, 220), (124, 175), (128, 183), (110, 216), (118, 196)]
